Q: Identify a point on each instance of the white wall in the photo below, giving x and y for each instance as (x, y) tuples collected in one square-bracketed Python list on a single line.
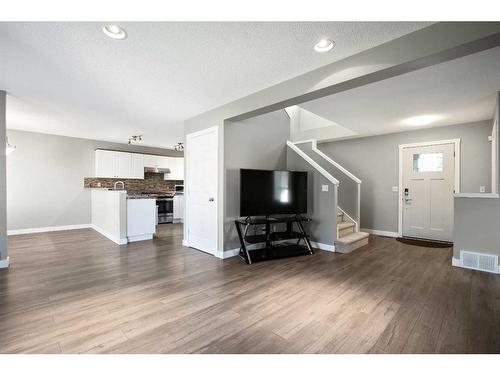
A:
[(305, 125), (45, 178)]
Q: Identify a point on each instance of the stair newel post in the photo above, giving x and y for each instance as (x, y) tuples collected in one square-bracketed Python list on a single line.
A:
[(358, 208), (335, 206)]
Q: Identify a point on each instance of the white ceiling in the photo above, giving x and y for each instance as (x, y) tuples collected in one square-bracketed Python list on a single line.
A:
[(70, 79), (456, 92)]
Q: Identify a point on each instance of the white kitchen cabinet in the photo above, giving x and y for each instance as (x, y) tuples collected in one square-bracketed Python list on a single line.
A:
[(165, 162), (180, 168), (141, 214), (179, 208), (122, 164), (156, 161), (116, 164), (176, 168), (137, 166), (104, 163)]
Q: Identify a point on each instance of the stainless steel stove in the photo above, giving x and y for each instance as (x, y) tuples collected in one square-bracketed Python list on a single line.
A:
[(164, 206)]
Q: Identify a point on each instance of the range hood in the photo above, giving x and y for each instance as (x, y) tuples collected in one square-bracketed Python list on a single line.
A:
[(157, 170)]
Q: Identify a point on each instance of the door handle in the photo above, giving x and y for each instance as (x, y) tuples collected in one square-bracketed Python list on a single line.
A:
[(211, 199)]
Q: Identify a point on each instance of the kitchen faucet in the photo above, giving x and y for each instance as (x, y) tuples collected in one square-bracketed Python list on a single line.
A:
[(119, 182)]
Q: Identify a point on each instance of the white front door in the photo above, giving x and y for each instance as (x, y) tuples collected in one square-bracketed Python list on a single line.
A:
[(201, 189), (427, 196)]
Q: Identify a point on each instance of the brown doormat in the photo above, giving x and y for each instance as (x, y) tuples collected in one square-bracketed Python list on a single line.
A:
[(423, 243)]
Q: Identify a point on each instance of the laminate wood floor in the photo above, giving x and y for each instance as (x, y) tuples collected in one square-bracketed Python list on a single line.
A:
[(77, 292)]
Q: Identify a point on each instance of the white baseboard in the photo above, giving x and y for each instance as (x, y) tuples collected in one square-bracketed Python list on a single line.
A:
[(323, 246), (13, 232), (227, 254), (119, 241), (456, 262), (142, 237), (5, 263), (380, 232)]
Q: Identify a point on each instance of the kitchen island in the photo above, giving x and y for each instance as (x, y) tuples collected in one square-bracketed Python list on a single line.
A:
[(123, 218)]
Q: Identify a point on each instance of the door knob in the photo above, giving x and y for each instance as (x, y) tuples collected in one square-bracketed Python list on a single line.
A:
[(211, 199)]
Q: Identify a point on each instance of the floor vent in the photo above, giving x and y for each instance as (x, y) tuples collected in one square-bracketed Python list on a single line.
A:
[(479, 261)]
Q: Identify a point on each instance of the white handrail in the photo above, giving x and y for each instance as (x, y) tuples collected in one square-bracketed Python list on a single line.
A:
[(314, 147), (316, 166)]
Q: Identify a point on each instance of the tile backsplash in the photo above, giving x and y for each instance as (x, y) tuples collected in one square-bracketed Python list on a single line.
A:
[(153, 182)]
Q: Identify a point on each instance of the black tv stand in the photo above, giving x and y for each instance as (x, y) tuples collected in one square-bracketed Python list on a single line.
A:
[(274, 247)]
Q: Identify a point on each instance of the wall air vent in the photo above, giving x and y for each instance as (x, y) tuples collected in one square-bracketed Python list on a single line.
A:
[(479, 261)]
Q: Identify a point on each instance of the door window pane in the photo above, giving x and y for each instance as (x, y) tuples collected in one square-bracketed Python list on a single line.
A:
[(431, 162)]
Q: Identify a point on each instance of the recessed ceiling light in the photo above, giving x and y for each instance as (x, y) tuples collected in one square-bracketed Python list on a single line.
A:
[(324, 45), (421, 120), (114, 31)]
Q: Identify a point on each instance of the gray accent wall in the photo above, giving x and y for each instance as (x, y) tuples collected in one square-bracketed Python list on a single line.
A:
[(257, 143), (320, 204), (3, 179), (347, 198), (477, 220), (45, 178), (476, 225), (375, 160)]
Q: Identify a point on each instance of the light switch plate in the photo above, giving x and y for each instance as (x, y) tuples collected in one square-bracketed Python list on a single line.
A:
[(324, 187), (482, 189), (395, 189)]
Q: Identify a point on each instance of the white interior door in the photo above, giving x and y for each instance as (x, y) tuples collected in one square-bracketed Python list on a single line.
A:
[(201, 189), (428, 184)]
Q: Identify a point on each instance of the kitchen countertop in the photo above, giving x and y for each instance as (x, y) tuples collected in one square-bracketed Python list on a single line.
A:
[(148, 196)]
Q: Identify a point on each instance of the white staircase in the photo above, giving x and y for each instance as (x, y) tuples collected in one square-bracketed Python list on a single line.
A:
[(348, 239), (348, 235)]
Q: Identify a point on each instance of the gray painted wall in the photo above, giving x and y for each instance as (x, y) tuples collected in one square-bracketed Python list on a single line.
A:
[(477, 220), (476, 226), (257, 143), (3, 181), (320, 204), (375, 161), (348, 189), (45, 178)]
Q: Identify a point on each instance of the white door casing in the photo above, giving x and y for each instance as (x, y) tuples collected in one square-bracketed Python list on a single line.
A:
[(201, 189), (430, 172)]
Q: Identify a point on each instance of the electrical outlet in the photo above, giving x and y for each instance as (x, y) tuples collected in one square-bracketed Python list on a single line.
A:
[(324, 187), (395, 189), (482, 189)]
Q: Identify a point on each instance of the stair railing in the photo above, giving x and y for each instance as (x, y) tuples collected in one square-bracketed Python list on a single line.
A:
[(321, 170), (357, 219)]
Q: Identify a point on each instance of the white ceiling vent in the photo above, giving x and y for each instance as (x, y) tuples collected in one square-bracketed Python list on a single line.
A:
[(479, 261)]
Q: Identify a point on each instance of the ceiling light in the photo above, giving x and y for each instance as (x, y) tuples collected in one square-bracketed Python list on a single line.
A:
[(9, 149), (324, 45), (421, 120), (135, 139), (114, 31)]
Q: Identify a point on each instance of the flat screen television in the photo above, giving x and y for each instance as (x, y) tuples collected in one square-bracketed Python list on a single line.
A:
[(264, 193)]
